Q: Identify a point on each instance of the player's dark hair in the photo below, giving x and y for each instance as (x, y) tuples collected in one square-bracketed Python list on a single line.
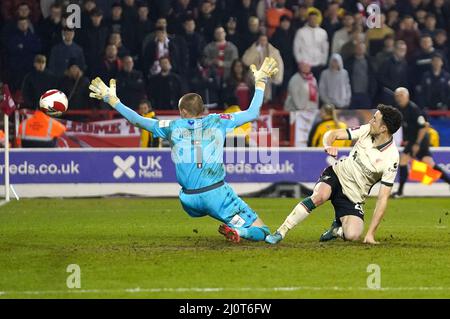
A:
[(391, 117), (192, 103)]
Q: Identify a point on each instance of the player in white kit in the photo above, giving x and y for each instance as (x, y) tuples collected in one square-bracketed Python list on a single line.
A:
[(374, 158)]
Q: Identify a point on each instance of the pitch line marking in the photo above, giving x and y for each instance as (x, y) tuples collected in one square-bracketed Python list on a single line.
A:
[(219, 289)]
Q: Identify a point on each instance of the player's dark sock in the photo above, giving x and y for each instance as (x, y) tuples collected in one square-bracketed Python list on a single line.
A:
[(444, 176), (403, 178), (253, 233)]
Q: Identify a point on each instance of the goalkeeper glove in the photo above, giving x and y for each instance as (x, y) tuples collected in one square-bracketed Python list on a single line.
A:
[(101, 92), (266, 71)]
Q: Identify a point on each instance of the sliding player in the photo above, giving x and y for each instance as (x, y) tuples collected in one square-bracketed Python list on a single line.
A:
[(197, 151), (347, 183)]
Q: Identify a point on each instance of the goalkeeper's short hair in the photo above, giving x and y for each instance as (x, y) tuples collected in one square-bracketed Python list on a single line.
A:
[(192, 103)]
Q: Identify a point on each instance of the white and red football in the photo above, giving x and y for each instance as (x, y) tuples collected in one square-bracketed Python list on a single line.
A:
[(53, 102)]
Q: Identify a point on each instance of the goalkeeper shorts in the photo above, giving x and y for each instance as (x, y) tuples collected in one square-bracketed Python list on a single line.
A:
[(221, 203)]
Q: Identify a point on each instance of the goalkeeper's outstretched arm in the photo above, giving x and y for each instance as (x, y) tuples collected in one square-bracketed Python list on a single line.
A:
[(100, 91), (267, 70)]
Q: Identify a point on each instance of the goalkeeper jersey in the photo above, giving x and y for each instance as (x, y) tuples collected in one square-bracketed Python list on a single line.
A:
[(366, 165)]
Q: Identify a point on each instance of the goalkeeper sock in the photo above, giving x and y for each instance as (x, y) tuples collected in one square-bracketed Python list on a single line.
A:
[(403, 178), (298, 214), (444, 176), (253, 233)]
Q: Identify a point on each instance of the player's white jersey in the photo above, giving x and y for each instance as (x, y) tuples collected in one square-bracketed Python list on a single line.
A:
[(366, 165)]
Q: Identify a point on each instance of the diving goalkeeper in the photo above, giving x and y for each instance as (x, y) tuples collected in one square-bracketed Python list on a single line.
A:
[(197, 151)]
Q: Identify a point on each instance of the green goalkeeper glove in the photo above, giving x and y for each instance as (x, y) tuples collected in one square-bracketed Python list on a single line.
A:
[(266, 71), (101, 92)]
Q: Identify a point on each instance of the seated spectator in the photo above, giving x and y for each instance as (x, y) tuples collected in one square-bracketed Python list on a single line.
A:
[(165, 88), (147, 139), (65, 51), (76, 87), (93, 39), (303, 101), (256, 54), (50, 28), (311, 44), (37, 82), (362, 78), (110, 66), (328, 121), (130, 83), (21, 47), (334, 85), (434, 90)]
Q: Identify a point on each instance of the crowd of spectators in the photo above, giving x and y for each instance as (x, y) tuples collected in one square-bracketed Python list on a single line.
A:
[(160, 49)]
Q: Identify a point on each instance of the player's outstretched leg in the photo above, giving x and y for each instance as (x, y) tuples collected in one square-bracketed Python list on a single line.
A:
[(322, 193)]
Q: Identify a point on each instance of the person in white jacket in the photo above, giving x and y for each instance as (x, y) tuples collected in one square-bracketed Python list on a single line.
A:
[(334, 84), (311, 44)]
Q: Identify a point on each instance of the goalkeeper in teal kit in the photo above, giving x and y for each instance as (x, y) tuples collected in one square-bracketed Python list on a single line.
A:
[(197, 151)]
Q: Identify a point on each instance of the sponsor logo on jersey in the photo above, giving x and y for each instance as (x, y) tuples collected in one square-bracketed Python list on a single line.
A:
[(226, 116)]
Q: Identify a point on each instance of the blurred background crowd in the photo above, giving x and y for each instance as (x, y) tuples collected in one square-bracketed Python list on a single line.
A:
[(160, 49)]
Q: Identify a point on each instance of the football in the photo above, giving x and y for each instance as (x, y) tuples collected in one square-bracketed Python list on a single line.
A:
[(53, 102)]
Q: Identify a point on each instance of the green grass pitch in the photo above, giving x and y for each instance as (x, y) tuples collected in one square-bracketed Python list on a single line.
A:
[(150, 248)]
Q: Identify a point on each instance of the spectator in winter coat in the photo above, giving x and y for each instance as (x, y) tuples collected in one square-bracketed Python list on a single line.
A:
[(21, 47), (65, 51), (334, 85), (256, 55), (37, 82)]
